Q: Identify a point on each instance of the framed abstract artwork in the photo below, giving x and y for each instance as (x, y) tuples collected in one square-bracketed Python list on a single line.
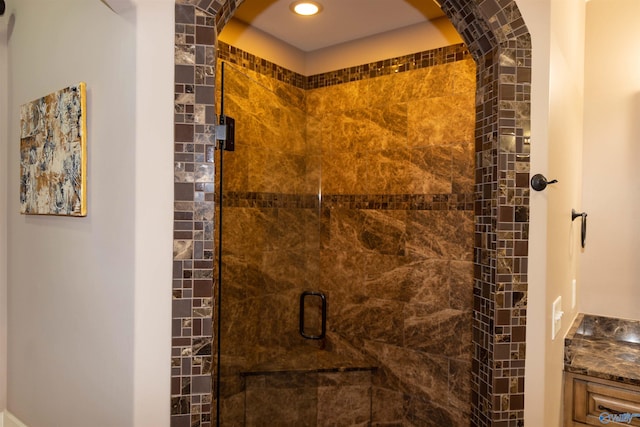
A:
[(53, 158)]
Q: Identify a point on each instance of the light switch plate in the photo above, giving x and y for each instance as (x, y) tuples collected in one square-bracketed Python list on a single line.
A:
[(556, 317)]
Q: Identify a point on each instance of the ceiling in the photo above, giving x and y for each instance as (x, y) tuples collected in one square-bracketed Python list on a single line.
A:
[(340, 20)]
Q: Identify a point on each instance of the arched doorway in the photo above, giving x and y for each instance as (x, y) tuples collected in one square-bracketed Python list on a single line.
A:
[(500, 44)]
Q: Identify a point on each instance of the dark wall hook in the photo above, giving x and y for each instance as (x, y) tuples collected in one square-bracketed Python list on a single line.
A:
[(583, 226), (2, 7), (539, 182)]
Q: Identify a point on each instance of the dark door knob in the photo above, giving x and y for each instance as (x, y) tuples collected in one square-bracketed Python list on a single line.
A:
[(539, 182)]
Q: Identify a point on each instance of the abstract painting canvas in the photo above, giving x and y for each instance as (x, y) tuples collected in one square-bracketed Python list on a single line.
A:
[(53, 139)]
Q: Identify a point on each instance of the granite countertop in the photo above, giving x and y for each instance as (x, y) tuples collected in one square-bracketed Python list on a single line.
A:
[(604, 347)]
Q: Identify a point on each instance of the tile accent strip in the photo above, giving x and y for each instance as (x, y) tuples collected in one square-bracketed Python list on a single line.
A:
[(498, 40), (415, 61), (413, 202), (192, 317)]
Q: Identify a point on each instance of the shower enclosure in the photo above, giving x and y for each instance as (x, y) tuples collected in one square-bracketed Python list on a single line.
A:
[(345, 236)]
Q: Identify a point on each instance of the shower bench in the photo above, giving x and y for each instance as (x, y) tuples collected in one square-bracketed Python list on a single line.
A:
[(309, 388)]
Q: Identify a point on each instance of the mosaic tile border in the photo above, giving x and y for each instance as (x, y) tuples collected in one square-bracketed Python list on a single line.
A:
[(498, 40), (412, 202), (251, 62), (400, 64)]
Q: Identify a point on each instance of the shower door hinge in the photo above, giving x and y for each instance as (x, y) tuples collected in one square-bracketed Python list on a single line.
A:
[(226, 133)]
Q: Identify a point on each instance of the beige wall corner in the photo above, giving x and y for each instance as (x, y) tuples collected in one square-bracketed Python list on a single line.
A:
[(154, 212), (611, 195), (7, 419), (4, 141), (557, 30)]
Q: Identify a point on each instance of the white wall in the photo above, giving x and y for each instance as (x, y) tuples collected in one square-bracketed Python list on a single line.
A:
[(4, 21), (89, 298), (154, 211), (537, 18), (611, 193), (403, 41), (557, 29), (259, 43)]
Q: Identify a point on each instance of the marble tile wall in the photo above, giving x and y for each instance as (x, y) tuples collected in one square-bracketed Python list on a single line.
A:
[(389, 242), (399, 277), (499, 41)]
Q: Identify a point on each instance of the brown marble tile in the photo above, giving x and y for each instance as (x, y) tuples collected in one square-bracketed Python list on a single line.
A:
[(401, 87), (281, 406), (387, 407), (390, 171), (398, 278), (417, 373), (235, 169), (344, 174), (316, 129), (420, 411), (383, 231), (464, 76), (463, 167), (293, 230), (440, 234), (369, 319), (348, 132), (313, 174), (441, 120), (245, 231), (232, 410), (345, 228), (446, 332), (344, 405), (431, 171), (461, 285), (368, 230), (241, 333), (460, 385), (335, 98), (283, 270), (276, 172), (391, 125), (341, 275), (341, 379)]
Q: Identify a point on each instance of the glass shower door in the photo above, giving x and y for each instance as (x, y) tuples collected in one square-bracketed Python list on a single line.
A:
[(355, 197), (268, 228)]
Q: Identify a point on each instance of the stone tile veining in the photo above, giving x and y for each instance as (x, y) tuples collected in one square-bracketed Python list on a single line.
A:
[(604, 347)]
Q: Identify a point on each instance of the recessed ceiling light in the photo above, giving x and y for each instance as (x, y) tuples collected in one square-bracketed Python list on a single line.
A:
[(306, 8)]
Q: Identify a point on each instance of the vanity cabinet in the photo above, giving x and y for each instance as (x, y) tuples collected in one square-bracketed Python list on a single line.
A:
[(602, 372), (587, 399)]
